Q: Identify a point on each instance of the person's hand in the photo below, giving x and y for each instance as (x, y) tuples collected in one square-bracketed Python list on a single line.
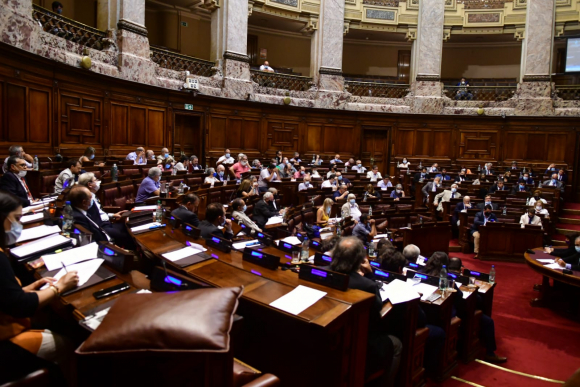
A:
[(69, 281), (37, 284), (372, 221), (396, 199), (561, 262), (228, 225), (118, 214), (365, 267), (435, 203)]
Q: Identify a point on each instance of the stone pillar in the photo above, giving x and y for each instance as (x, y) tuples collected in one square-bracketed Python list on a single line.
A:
[(326, 47), (535, 90), (229, 45), (107, 14), (426, 53), (16, 23)]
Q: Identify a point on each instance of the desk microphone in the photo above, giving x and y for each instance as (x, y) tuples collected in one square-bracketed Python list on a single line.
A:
[(179, 284)]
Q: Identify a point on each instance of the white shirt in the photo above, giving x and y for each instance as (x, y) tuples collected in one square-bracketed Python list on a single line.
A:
[(533, 201), (266, 174), (28, 165), (266, 68), (374, 177), (210, 180), (360, 169), (179, 166), (225, 160), (315, 174), (96, 225), (383, 185), (24, 185), (326, 184), (304, 186), (104, 216), (355, 212)]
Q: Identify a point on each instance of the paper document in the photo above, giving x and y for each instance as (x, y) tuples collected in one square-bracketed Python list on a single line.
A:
[(425, 289), (379, 236), (31, 218), (398, 292), (242, 245), (95, 320), (33, 207), (39, 245), (181, 253), (466, 294), (546, 260), (292, 240), (85, 271), (70, 257), (275, 220), (298, 299), (554, 266), (145, 226), (144, 208), (37, 232)]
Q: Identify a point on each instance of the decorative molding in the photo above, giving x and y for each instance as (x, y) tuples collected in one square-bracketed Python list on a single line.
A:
[(330, 71), (236, 56), (428, 78), (371, 14), (446, 34), (135, 28), (210, 5), (559, 29), (520, 34), (346, 27), (411, 34), (289, 3), (250, 7), (536, 78), (311, 26)]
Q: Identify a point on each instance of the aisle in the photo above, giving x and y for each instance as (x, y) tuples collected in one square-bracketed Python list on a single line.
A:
[(537, 341)]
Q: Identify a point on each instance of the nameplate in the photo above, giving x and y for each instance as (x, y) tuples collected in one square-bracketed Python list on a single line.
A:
[(167, 280), (387, 276), (287, 247), (118, 258), (219, 243), (264, 239), (190, 230), (324, 277), (458, 278), (315, 245), (478, 275), (424, 278), (322, 259), (173, 221), (268, 261)]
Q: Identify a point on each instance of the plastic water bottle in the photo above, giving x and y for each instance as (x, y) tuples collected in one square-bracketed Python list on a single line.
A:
[(492, 275), (370, 210), (313, 159), (67, 219), (504, 210), (479, 168), (36, 165), (114, 172), (338, 229), (180, 188), (173, 171), (305, 250), (443, 279), (159, 212)]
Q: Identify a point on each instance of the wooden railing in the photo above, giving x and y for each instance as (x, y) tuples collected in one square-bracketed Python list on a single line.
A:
[(67, 28), (568, 92), (178, 62), (281, 81), (375, 89), (480, 93)]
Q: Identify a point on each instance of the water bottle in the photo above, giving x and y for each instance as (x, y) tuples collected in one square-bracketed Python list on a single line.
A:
[(443, 279), (159, 212), (345, 169), (370, 211), (114, 172), (338, 229), (313, 159), (408, 171), (181, 187), (206, 168), (492, 275), (504, 210), (67, 219), (365, 197), (36, 163), (420, 165), (305, 250), (371, 250), (479, 168), (174, 171)]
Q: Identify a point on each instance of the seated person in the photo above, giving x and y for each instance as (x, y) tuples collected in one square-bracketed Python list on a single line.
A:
[(300, 173), (138, 156), (266, 67), (186, 212), (488, 169), (385, 183), (225, 159), (411, 253), (239, 213), (264, 210), (520, 187), (487, 201), (498, 186), (221, 175), (211, 177), (540, 210), (434, 168), (167, 164), (182, 165), (305, 184), (240, 167), (461, 177), (562, 176), (461, 207), (323, 213), (149, 155), (526, 179), (383, 243), (371, 193), (267, 175), (336, 159), (162, 155), (331, 171), (513, 167), (555, 183), (443, 175), (341, 193), (349, 257), (89, 155), (329, 183), (419, 176), (19, 304), (278, 159), (215, 216), (328, 244), (358, 167), (537, 197), (350, 208), (350, 163), (89, 180), (364, 229), (194, 164), (342, 180), (296, 159), (431, 187), (530, 217), (13, 181), (18, 151), (315, 173), (551, 169), (404, 164), (463, 92), (567, 251), (446, 196), (374, 175), (67, 177), (247, 189), (481, 219), (316, 160), (150, 185), (398, 192)]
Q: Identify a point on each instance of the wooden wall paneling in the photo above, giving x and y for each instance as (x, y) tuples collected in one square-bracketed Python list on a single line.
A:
[(375, 147), (3, 115), (556, 144), (251, 136), (514, 145), (217, 133), (442, 144), (313, 138), (282, 135), (478, 144), (136, 127), (404, 139), (39, 101), (423, 142), (170, 128), (16, 108), (119, 124), (80, 118), (156, 127), (536, 146), (234, 137)]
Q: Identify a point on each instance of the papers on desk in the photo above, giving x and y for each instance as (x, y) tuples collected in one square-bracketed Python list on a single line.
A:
[(466, 294), (242, 245), (33, 208), (298, 300), (37, 232), (31, 218), (95, 320), (39, 245), (292, 240), (398, 292), (181, 253), (554, 266), (85, 271), (379, 236), (421, 260), (546, 260), (70, 257), (275, 220), (146, 227), (144, 208)]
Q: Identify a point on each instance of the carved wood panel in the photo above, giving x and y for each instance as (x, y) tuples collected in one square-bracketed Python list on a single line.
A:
[(549, 146), (135, 125), (282, 135), (478, 144), (80, 118)]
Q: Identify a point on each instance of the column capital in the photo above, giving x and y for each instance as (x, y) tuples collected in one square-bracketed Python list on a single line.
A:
[(236, 56), (210, 5), (128, 25)]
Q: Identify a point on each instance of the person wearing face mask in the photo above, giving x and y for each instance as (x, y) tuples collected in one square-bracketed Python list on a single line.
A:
[(446, 196), (300, 173), (267, 175), (19, 304), (323, 213), (404, 164), (162, 156), (487, 201), (89, 180), (350, 208), (278, 159), (498, 186), (305, 184), (57, 7), (461, 177), (431, 187), (186, 210), (138, 156), (385, 183), (398, 192), (342, 180), (481, 219), (220, 175), (330, 182), (520, 187), (18, 151), (537, 196), (358, 167), (434, 168), (150, 185), (226, 159), (340, 193), (216, 216), (530, 218), (264, 210), (14, 182), (296, 159), (443, 175), (551, 169), (371, 192), (336, 159), (374, 175), (540, 210), (564, 252), (572, 261), (555, 183), (364, 229), (525, 179), (241, 166), (210, 178), (239, 213), (460, 207), (315, 173), (89, 156), (149, 155), (66, 178)]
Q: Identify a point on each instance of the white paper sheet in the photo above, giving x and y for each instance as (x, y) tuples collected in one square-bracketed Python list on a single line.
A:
[(292, 240), (298, 299), (37, 232), (181, 253), (275, 220), (95, 320), (144, 208), (242, 245), (38, 245), (425, 289), (145, 226), (31, 218), (466, 294), (70, 257), (554, 266), (397, 292), (546, 260), (85, 271), (33, 207)]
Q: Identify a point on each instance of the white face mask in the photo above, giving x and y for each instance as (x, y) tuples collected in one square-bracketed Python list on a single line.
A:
[(97, 185), (352, 201), (22, 173)]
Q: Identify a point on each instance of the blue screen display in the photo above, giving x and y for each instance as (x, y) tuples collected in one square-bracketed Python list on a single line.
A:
[(452, 275), (287, 245), (413, 265), (327, 258), (255, 272), (108, 251), (373, 263), (76, 231), (256, 254), (188, 228), (319, 273), (381, 273), (421, 276), (216, 240), (475, 273), (315, 243), (173, 280)]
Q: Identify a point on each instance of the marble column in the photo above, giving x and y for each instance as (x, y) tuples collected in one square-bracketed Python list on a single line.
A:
[(426, 52), (16, 23), (535, 89), (326, 47), (107, 14), (229, 45)]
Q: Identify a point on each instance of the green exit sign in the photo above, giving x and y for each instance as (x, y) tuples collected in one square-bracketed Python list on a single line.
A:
[(184, 24), (188, 106)]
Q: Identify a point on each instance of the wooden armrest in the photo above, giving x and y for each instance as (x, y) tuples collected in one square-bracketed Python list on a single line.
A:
[(111, 209)]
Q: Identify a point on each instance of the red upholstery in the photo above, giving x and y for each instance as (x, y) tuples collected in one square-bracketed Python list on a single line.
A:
[(47, 183)]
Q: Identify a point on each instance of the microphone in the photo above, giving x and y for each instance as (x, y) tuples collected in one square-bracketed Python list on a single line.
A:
[(172, 280)]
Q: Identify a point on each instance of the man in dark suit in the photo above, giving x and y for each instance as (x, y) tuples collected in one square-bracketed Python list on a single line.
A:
[(465, 205), (498, 186), (422, 175), (481, 219), (461, 177), (487, 169), (186, 211), (562, 176), (572, 261), (555, 183), (216, 216), (14, 182), (487, 200), (520, 187), (264, 210)]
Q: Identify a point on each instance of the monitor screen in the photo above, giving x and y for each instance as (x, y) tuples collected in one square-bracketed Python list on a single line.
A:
[(573, 55)]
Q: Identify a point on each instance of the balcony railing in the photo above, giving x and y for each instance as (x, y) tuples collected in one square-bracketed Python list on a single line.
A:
[(378, 90), (480, 93), (68, 29), (281, 81), (482, 4), (382, 3), (174, 61), (568, 92)]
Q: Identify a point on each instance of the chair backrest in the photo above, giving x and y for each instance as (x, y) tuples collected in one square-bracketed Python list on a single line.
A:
[(109, 192)]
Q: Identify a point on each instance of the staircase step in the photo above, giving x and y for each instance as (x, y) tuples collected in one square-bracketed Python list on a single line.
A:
[(454, 249), (566, 219), (568, 212)]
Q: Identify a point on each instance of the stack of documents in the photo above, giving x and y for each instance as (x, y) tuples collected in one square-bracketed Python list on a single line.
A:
[(70, 257), (37, 232), (182, 253), (275, 220), (85, 270), (39, 245)]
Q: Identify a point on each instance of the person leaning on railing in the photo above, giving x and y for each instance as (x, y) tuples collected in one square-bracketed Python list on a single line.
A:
[(463, 92), (266, 67)]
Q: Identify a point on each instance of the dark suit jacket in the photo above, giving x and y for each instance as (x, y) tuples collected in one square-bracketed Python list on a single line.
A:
[(574, 260), (479, 219), (81, 219), (496, 188), (481, 206), (417, 177), (262, 212), (564, 178), (562, 253), (465, 178), (186, 216), (487, 172), (516, 188), (458, 208), (208, 229), (10, 183)]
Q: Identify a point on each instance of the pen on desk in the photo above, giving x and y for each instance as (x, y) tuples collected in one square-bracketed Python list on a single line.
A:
[(64, 267)]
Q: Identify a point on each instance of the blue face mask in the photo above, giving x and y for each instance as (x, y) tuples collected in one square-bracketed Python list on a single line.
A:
[(340, 178), (486, 203), (227, 155), (522, 186), (167, 166), (14, 233), (221, 173), (245, 208), (92, 157), (453, 189), (352, 201), (577, 248)]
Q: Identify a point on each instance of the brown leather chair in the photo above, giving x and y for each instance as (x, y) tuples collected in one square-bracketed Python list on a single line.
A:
[(177, 339)]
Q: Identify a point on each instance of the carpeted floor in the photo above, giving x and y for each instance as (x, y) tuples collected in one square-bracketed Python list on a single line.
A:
[(537, 341)]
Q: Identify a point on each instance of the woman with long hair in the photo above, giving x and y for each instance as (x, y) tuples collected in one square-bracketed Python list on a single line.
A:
[(323, 213), (246, 189)]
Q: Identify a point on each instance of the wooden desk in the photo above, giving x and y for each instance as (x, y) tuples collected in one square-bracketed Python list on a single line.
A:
[(428, 238), (508, 242)]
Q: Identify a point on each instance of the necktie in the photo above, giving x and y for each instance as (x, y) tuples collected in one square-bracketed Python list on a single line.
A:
[(530, 222), (453, 194), (560, 177), (26, 188), (98, 227)]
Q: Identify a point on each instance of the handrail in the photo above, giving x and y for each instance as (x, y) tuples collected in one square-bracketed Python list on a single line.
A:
[(480, 93), (568, 92), (281, 81), (179, 62), (377, 89)]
